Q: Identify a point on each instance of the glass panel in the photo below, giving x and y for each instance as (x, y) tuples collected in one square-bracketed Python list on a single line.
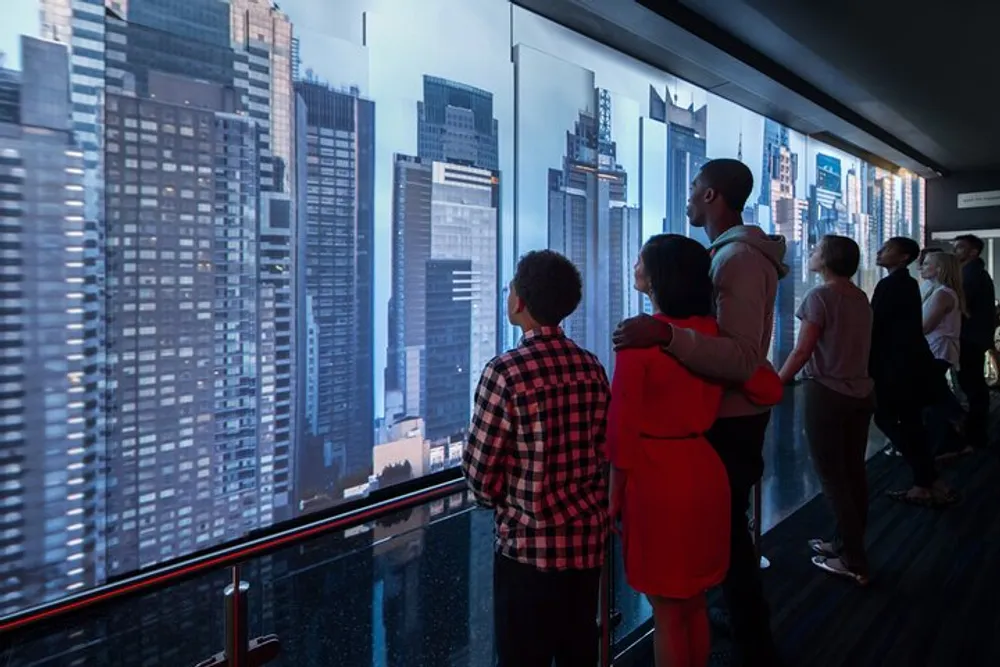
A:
[(222, 316), (254, 259), (411, 589), (182, 625)]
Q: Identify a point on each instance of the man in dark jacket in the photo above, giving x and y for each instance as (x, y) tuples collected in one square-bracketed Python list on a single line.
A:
[(902, 366), (977, 336)]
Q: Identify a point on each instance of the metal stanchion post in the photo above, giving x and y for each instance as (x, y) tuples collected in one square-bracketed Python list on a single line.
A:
[(237, 632), (240, 650)]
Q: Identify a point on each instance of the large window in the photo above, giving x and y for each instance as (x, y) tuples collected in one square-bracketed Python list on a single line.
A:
[(252, 260)]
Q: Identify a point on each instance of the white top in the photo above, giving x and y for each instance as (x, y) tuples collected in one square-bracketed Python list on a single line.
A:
[(944, 338)]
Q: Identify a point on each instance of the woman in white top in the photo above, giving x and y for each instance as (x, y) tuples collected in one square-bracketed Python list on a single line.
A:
[(944, 306)]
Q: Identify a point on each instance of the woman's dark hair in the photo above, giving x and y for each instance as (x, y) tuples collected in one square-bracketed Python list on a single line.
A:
[(549, 284), (841, 255), (678, 271)]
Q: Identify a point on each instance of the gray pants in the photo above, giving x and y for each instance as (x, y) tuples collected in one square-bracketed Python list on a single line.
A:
[(837, 428)]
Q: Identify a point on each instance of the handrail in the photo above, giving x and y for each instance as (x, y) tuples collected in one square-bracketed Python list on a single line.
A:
[(162, 576)]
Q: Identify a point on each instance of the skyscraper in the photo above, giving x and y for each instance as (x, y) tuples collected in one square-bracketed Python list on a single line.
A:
[(187, 467), (591, 223), (261, 30), (445, 208), (827, 212), (456, 125), (201, 20), (262, 35), (265, 32), (48, 521), (79, 24), (449, 347), (788, 215), (338, 257), (687, 129)]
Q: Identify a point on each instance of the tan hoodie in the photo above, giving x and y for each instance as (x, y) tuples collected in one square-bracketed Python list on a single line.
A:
[(746, 267)]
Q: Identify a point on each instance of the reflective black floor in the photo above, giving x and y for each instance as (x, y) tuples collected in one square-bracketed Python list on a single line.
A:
[(413, 590)]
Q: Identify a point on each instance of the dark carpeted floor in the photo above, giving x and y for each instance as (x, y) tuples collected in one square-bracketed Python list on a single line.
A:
[(934, 600), (935, 595)]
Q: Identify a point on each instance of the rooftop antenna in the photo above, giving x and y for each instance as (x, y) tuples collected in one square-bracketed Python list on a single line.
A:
[(739, 150)]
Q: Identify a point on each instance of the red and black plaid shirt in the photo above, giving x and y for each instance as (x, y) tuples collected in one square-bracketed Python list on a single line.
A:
[(536, 452)]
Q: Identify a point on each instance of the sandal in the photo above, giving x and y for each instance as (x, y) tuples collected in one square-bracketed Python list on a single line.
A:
[(933, 502), (823, 548), (837, 567)]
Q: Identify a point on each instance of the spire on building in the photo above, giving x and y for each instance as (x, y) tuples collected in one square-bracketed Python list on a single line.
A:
[(739, 150), (604, 122)]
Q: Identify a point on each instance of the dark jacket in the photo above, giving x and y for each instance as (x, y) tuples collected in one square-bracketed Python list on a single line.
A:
[(900, 357), (980, 301)]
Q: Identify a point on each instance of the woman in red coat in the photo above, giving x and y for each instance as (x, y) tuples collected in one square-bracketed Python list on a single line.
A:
[(669, 487)]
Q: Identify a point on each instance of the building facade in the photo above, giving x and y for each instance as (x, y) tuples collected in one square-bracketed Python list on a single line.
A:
[(186, 467), (47, 512), (338, 260), (591, 223), (446, 241), (687, 129)]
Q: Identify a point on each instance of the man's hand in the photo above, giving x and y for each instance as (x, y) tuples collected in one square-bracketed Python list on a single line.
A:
[(642, 331)]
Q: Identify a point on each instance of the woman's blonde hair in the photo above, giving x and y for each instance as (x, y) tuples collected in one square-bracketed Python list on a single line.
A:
[(949, 275)]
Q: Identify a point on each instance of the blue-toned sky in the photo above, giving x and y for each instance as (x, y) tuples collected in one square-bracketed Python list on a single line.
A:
[(20, 17), (385, 47)]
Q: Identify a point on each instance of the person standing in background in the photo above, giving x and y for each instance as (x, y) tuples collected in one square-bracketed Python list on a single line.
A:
[(943, 310), (746, 267), (976, 337), (535, 456), (906, 379), (832, 352)]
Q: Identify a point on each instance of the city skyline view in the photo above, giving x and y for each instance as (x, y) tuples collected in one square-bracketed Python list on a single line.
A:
[(258, 257)]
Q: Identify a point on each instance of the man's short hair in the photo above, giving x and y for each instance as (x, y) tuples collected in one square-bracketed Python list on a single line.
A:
[(732, 179), (908, 246), (973, 240), (549, 284), (841, 255)]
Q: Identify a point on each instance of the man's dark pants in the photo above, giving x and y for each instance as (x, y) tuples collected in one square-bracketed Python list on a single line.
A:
[(739, 441), (972, 381)]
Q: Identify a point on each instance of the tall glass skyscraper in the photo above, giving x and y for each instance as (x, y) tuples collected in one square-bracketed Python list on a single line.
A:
[(445, 212), (591, 223), (48, 511), (687, 129), (338, 257), (187, 464), (456, 124), (79, 24)]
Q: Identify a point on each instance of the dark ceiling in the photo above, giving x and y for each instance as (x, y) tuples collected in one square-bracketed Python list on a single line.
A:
[(925, 72), (911, 84)]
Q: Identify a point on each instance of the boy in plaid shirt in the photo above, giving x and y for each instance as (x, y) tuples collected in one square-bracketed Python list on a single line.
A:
[(535, 456)]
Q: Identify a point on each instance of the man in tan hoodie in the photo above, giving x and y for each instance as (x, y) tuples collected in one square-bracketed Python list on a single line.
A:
[(746, 267)]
